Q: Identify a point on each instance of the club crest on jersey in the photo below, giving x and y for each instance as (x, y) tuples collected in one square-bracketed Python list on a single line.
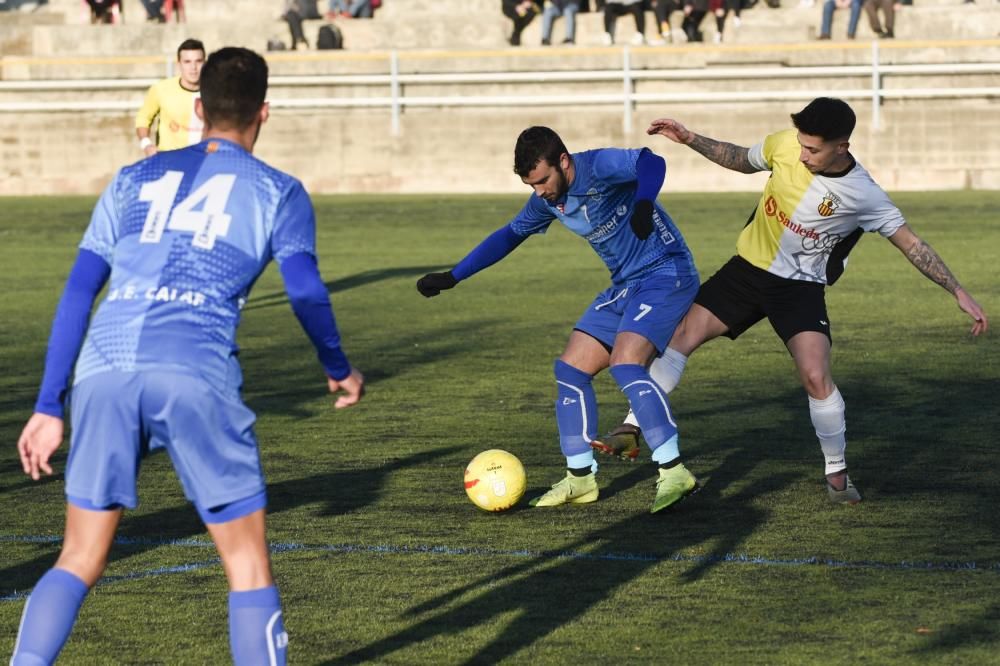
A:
[(829, 204)]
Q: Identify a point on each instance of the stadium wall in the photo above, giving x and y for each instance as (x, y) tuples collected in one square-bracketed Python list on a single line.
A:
[(924, 145), (919, 143)]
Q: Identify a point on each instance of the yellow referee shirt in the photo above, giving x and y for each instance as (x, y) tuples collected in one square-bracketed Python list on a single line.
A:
[(179, 125)]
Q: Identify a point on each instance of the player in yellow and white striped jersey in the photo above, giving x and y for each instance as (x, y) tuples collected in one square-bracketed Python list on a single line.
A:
[(172, 100), (814, 208)]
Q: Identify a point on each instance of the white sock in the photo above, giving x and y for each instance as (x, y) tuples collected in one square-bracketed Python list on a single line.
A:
[(828, 418), (666, 370)]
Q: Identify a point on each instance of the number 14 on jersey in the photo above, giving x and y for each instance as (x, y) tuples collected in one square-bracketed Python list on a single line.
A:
[(203, 212)]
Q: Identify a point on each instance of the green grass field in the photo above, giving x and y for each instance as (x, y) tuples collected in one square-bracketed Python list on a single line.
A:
[(380, 556)]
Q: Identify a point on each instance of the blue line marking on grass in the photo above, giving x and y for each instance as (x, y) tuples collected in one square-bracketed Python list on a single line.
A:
[(449, 551)]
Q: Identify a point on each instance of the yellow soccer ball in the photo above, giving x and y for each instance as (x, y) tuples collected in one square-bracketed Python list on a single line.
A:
[(495, 480)]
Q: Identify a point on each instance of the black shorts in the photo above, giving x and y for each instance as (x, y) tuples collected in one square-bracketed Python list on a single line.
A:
[(740, 295)]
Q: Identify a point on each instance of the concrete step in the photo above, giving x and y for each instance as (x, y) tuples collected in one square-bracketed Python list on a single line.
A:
[(56, 29)]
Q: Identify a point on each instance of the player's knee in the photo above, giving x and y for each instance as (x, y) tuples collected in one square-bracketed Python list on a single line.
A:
[(817, 382), (87, 565), (564, 372)]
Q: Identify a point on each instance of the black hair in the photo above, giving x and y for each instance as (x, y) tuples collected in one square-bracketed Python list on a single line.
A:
[(826, 117), (536, 144), (191, 45), (233, 87)]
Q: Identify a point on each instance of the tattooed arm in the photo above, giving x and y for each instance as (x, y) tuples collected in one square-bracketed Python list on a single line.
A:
[(724, 154), (931, 265)]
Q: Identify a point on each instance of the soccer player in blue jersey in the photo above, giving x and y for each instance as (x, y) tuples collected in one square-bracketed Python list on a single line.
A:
[(600, 194), (181, 236)]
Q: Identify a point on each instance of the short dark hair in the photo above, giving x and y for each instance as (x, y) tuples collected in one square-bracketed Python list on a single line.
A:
[(826, 117), (536, 144), (190, 45), (233, 87)]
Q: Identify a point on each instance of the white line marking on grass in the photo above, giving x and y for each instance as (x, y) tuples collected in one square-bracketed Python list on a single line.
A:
[(449, 551)]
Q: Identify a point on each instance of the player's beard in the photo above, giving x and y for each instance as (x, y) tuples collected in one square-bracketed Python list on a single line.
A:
[(562, 186)]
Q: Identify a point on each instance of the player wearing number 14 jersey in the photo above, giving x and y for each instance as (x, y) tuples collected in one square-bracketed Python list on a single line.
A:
[(179, 239)]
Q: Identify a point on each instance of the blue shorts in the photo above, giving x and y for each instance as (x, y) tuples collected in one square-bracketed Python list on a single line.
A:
[(118, 417), (652, 308)]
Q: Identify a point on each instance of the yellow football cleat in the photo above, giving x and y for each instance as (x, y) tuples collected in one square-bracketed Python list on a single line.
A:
[(571, 490)]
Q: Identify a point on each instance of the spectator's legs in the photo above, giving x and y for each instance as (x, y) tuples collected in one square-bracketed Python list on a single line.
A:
[(360, 9), (889, 14), (871, 9), (826, 27), (548, 18), (520, 22), (610, 18), (640, 17), (852, 24), (570, 15)]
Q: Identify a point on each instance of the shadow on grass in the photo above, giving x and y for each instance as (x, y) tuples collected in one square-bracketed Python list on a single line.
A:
[(350, 282), (336, 493), (981, 630), (549, 590)]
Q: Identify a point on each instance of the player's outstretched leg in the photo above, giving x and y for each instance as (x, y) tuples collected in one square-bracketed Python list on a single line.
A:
[(828, 416), (652, 410), (576, 415), (50, 612), (48, 618), (256, 630), (623, 440)]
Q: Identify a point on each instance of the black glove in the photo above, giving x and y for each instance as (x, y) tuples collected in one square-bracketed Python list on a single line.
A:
[(642, 219), (433, 284)]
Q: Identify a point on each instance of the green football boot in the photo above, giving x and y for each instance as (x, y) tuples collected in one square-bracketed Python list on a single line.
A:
[(622, 442), (673, 485), (571, 490)]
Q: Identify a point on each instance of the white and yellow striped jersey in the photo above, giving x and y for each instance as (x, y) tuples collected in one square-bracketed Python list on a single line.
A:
[(179, 125), (806, 223)]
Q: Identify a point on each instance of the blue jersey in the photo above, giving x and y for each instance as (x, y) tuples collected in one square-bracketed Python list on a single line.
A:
[(186, 233), (598, 206)]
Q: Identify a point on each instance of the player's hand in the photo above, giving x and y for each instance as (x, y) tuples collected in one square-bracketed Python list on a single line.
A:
[(41, 436), (969, 306), (671, 129), (149, 150), (642, 219), (433, 284), (353, 386)]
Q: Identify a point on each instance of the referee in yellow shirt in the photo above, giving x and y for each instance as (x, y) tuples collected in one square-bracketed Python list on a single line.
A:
[(172, 99)]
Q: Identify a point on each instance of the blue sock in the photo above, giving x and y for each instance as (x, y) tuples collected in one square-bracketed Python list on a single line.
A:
[(650, 404), (48, 618), (256, 631), (576, 411)]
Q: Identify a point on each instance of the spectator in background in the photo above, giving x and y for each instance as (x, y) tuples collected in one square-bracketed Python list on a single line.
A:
[(353, 8), (615, 8), (564, 8), (294, 13), (852, 23), (889, 14), (103, 11), (694, 12), (721, 9), (662, 10), (521, 12), (154, 10)]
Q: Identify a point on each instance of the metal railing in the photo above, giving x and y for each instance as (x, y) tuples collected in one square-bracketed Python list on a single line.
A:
[(397, 99)]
